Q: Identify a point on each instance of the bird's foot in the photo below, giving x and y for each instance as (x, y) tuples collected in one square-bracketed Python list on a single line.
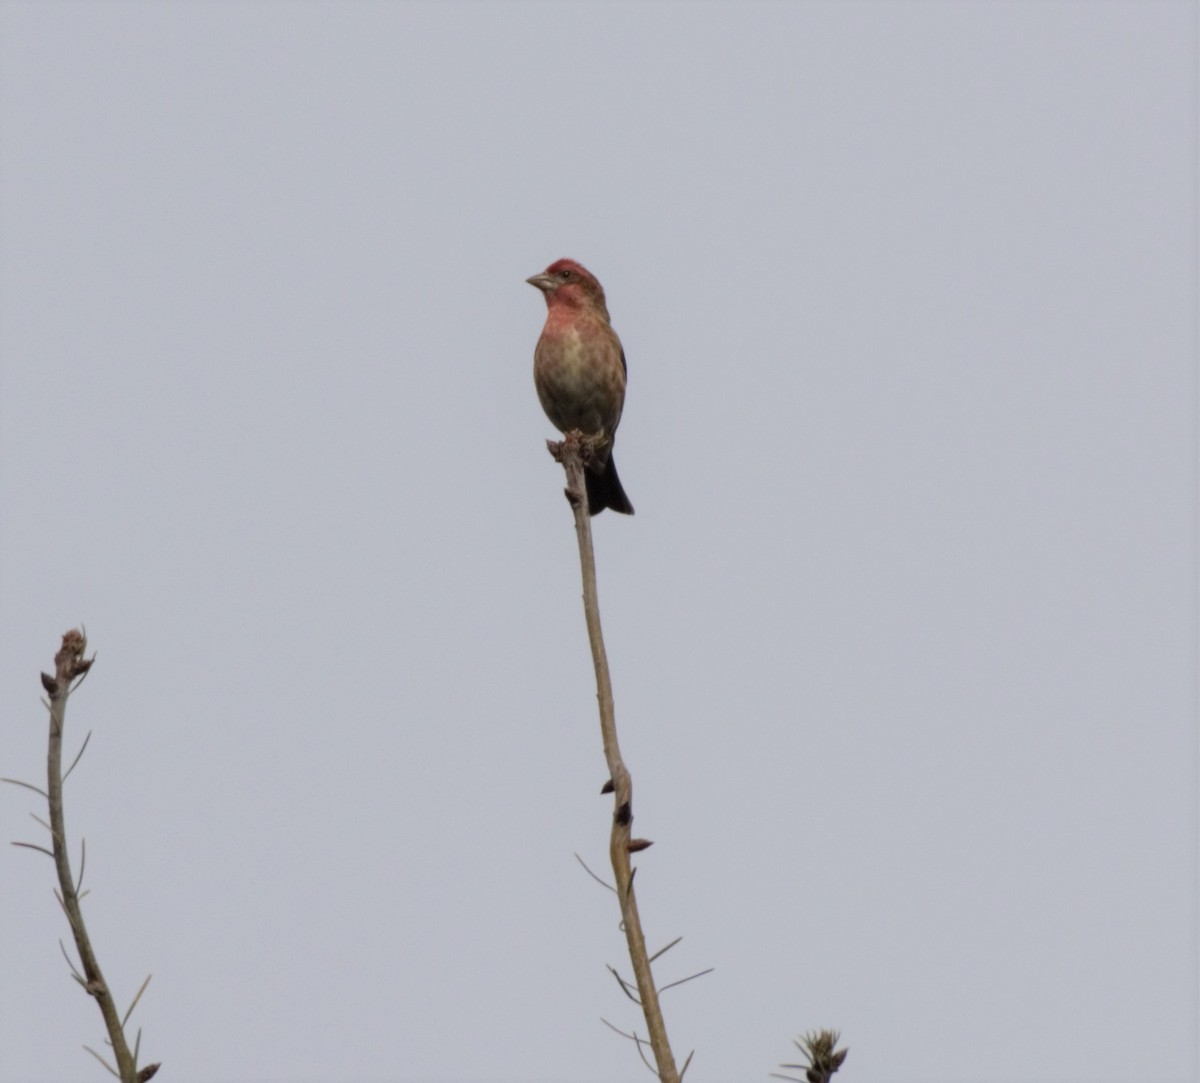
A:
[(593, 449)]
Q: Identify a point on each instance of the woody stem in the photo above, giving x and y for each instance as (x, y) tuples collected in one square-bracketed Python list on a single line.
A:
[(572, 458)]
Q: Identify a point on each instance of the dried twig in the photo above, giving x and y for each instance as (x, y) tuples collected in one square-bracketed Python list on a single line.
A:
[(626, 988), (601, 882), (572, 453), (698, 974), (639, 1042), (129, 1012), (821, 1054), (71, 963), (109, 1067), (27, 785), (70, 668), (82, 747), (663, 951)]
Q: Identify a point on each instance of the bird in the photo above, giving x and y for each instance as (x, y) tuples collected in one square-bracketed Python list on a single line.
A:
[(580, 373)]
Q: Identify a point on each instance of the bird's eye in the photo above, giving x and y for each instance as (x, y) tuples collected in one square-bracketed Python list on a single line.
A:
[(564, 275)]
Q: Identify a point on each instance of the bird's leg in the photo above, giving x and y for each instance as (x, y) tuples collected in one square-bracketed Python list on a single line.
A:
[(594, 448)]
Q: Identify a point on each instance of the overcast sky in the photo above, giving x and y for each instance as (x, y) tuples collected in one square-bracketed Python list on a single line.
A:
[(903, 633)]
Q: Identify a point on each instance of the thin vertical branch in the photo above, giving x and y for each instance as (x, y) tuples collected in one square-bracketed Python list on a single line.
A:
[(572, 453), (70, 665)]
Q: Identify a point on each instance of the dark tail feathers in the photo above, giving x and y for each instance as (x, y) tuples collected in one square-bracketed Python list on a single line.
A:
[(605, 491)]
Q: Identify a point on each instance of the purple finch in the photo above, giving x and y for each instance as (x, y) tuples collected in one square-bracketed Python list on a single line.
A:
[(579, 372)]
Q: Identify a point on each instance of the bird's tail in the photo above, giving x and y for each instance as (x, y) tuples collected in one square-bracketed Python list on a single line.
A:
[(604, 490)]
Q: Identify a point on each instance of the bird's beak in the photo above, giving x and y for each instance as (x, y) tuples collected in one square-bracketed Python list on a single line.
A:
[(543, 282)]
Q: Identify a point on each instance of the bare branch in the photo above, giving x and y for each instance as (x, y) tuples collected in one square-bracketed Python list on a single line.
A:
[(34, 846), (101, 1060), (698, 974), (663, 951), (631, 1037), (602, 883), (642, 1054), (134, 1005), (573, 453), (71, 667), (71, 963), (625, 986), (639, 1042), (27, 785), (683, 1070), (82, 747)]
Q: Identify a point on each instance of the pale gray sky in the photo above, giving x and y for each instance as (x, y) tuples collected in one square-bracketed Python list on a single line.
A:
[(903, 634)]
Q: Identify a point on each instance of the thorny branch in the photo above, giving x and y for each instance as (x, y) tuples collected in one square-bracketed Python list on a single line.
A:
[(572, 453), (70, 667)]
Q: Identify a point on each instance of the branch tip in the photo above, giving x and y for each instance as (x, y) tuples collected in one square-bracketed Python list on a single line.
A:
[(819, 1049)]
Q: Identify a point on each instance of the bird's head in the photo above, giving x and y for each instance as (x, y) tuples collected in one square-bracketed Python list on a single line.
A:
[(570, 285)]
